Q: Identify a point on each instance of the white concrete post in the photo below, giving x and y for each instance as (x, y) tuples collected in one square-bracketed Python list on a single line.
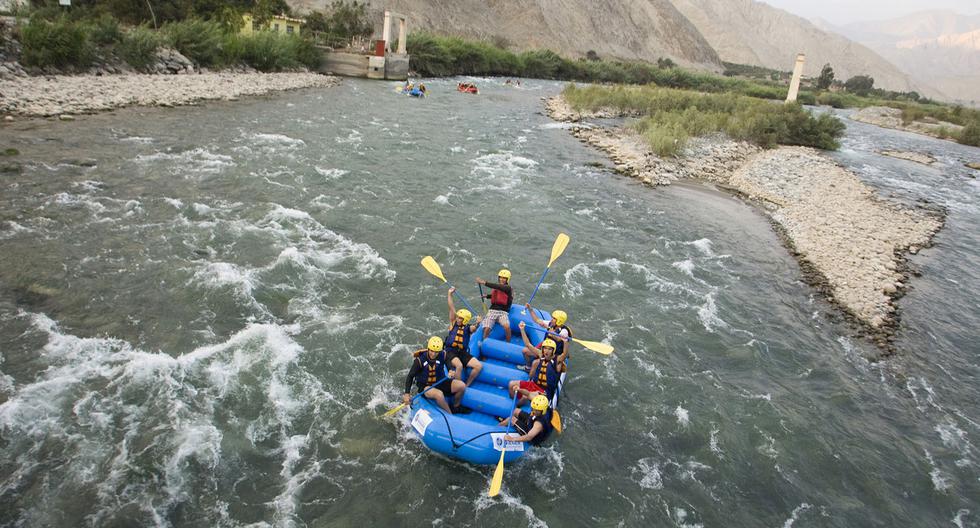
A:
[(794, 84), (402, 36), (386, 31)]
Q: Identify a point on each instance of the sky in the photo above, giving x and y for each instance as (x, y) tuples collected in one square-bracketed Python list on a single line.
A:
[(844, 11)]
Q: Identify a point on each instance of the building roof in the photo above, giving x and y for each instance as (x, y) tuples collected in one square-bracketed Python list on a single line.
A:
[(283, 18)]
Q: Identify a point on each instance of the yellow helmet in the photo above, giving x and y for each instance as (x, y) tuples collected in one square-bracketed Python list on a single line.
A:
[(464, 315), (549, 343), (539, 403), (559, 316), (435, 344), (505, 273)]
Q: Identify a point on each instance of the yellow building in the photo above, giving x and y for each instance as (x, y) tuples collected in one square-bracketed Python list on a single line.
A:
[(278, 23)]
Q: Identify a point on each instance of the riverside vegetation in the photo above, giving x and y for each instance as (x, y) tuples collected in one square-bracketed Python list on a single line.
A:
[(670, 117), (434, 55)]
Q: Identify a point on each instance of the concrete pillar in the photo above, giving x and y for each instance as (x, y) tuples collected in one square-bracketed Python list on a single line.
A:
[(794, 84), (402, 36), (386, 31)]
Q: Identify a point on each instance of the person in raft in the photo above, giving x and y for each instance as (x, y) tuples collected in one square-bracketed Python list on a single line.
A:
[(501, 298), (544, 374), (560, 333), (534, 427), (428, 367), (458, 341)]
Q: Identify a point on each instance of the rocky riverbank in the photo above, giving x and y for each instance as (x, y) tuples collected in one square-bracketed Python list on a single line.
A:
[(73, 94), (850, 243), (887, 117)]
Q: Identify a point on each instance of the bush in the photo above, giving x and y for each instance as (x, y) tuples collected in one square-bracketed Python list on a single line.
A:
[(970, 135), (60, 43), (673, 116), (270, 51), (139, 45), (196, 39), (104, 30)]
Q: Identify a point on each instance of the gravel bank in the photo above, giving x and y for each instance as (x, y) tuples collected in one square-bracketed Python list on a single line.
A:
[(917, 157), (887, 117), (72, 94), (850, 243)]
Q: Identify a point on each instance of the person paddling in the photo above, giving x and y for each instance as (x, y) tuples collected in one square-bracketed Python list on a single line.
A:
[(534, 427), (544, 375), (559, 332), (501, 298), (458, 341), (428, 367)]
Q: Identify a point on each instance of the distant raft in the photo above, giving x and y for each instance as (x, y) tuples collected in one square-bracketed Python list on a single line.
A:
[(467, 88), (475, 437)]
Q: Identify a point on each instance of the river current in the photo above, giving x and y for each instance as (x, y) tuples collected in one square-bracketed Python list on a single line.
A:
[(204, 311)]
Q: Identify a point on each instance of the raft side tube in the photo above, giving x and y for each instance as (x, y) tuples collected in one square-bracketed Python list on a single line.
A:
[(469, 441)]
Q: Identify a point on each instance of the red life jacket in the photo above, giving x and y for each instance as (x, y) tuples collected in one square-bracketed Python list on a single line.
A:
[(499, 297)]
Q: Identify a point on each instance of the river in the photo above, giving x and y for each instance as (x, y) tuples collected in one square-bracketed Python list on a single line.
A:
[(204, 310)]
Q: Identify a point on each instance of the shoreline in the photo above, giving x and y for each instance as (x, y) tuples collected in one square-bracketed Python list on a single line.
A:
[(63, 96), (852, 245)]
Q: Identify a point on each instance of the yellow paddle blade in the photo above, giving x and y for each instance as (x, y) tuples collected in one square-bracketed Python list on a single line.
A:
[(432, 267), (393, 411), (498, 477), (556, 420), (560, 244), (596, 346)]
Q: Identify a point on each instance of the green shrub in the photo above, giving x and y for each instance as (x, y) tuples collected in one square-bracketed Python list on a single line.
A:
[(673, 116), (270, 51), (196, 39), (540, 64), (429, 56), (139, 45), (970, 135), (305, 52), (60, 43), (104, 30)]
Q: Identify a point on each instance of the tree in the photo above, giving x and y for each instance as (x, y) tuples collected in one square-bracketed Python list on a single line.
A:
[(316, 22), (591, 55), (860, 84), (826, 77), (664, 63), (349, 20), (264, 10)]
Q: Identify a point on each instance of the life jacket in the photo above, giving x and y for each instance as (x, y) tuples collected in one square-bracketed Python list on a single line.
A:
[(547, 377), (458, 337), (499, 297), (544, 420), (559, 344), (432, 369)]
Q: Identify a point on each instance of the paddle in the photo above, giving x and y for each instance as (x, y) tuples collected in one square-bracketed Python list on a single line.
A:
[(556, 250), (594, 346), (498, 474), (432, 267), (402, 406), (483, 298)]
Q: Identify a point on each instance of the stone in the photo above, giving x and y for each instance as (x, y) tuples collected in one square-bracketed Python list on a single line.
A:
[(66, 117)]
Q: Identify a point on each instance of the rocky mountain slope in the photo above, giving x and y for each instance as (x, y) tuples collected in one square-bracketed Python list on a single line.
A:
[(750, 32), (698, 33), (938, 47), (625, 29)]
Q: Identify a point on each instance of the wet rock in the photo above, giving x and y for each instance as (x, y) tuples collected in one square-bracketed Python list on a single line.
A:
[(917, 157), (66, 117), (973, 165)]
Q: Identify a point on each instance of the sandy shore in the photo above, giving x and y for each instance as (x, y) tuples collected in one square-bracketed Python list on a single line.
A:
[(851, 244), (74, 94)]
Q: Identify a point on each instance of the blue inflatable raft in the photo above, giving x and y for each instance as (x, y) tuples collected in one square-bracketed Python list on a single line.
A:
[(475, 437)]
